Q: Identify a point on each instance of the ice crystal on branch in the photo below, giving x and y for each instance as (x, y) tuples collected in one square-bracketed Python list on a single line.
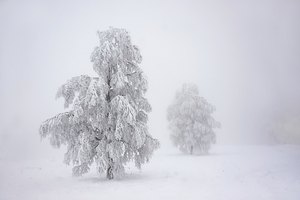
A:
[(107, 122)]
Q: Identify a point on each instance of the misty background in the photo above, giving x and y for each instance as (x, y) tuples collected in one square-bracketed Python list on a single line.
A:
[(243, 55)]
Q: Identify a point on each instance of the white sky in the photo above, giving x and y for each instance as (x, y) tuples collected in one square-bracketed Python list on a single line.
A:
[(243, 55)]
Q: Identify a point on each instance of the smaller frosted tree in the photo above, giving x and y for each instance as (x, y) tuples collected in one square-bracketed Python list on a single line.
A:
[(190, 121)]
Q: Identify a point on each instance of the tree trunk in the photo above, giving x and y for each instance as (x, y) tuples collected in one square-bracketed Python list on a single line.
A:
[(109, 173), (191, 150)]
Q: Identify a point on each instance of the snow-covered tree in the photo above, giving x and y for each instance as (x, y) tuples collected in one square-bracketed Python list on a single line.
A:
[(191, 122), (284, 128), (107, 121)]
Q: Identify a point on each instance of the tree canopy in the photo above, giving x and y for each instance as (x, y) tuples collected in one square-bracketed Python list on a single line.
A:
[(191, 122), (107, 119)]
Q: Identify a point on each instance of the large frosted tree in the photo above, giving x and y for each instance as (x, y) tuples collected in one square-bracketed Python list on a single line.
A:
[(107, 118), (191, 122)]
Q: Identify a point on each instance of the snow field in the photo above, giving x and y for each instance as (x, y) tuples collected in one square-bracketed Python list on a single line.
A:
[(228, 172)]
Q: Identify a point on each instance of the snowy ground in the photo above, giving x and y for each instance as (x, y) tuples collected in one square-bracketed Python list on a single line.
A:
[(229, 172)]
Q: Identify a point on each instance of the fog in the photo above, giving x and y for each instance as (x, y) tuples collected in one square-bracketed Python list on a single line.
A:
[(243, 55)]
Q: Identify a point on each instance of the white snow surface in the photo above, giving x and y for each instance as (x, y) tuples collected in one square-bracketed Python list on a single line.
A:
[(228, 172)]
